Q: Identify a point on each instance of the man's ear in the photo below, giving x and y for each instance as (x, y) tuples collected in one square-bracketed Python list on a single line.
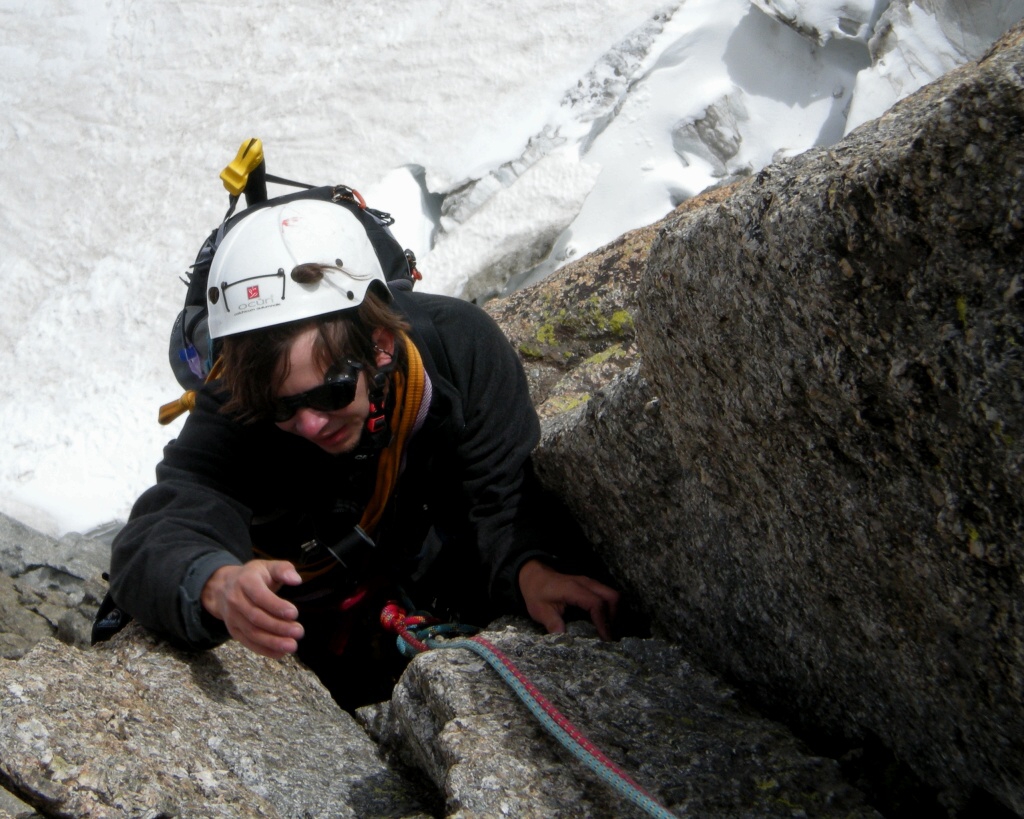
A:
[(384, 341)]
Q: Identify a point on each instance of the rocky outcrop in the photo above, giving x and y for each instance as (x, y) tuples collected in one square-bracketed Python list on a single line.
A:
[(134, 727), (811, 472), (47, 588), (575, 331), (678, 731)]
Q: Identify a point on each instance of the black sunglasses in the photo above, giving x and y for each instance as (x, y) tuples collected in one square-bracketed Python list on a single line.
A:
[(337, 392)]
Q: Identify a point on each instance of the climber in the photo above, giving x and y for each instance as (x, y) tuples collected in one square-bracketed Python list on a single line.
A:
[(355, 444)]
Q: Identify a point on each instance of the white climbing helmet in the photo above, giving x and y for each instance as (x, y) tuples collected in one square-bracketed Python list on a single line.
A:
[(251, 284)]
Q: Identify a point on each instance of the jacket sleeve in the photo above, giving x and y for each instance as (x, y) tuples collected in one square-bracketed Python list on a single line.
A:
[(182, 529)]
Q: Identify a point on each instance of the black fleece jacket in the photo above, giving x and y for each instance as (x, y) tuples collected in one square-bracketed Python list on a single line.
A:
[(222, 484)]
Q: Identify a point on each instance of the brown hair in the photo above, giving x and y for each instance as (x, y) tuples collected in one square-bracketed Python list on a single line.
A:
[(256, 362)]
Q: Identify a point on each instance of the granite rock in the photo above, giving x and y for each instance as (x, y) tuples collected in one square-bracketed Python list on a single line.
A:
[(812, 467), (136, 728), (47, 587), (679, 732)]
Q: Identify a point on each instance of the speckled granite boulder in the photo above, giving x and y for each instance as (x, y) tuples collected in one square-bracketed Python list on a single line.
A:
[(813, 468), (676, 730), (135, 728)]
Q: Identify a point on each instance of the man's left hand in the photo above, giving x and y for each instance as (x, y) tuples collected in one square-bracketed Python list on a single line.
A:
[(548, 593)]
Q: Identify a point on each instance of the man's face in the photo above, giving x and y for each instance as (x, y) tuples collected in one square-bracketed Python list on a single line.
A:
[(336, 431)]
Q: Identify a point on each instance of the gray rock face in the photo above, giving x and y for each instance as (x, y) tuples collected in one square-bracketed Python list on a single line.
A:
[(834, 351), (134, 728), (20, 626), (676, 730), (47, 587)]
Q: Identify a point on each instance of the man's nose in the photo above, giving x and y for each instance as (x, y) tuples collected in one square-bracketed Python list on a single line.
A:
[(309, 422)]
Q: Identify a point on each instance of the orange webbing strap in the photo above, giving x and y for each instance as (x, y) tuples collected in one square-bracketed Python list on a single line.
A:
[(168, 412), (408, 396)]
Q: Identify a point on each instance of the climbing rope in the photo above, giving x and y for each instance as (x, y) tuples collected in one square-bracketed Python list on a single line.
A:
[(419, 633)]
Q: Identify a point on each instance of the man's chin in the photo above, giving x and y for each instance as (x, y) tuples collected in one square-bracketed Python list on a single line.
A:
[(343, 441)]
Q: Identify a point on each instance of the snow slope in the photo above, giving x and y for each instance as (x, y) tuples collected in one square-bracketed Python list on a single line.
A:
[(506, 139)]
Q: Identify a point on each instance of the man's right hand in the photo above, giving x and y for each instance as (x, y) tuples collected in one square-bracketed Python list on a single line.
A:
[(244, 598)]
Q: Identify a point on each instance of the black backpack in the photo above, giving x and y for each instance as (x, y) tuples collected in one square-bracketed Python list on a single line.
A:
[(191, 354)]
